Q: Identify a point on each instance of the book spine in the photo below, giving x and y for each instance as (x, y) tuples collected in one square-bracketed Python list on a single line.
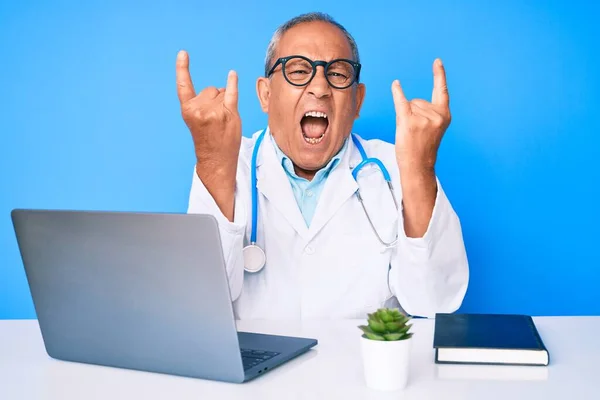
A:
[(538, 337)]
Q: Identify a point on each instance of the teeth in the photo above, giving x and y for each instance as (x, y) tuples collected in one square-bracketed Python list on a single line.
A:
[(317, 114), (314, 140)]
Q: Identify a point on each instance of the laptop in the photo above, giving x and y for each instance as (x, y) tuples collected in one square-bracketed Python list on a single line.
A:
[(140, 291)]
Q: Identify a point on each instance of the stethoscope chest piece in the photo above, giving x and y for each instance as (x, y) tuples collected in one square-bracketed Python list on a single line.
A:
[(254, 258)]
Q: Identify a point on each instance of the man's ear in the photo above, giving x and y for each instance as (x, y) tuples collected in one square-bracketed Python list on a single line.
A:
[(263, 91), (361, 90)]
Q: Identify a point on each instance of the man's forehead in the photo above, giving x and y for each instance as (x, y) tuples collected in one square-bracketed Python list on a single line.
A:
[(315, 39)]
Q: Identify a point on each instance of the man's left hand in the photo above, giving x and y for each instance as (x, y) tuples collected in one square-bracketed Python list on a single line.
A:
[(420, 126)]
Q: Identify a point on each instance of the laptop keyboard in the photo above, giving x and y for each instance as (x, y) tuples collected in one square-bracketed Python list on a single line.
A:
[(251, 358)]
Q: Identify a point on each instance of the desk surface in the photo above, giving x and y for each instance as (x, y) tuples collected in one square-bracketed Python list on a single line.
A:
[(331, 370)]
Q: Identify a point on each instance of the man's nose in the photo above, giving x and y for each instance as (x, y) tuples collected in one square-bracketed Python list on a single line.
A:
[(319, 87)]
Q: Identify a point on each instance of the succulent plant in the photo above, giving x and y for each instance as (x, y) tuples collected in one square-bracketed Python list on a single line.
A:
[(387, 325)]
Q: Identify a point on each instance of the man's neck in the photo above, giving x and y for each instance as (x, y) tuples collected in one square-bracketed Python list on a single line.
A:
[(304, 173)]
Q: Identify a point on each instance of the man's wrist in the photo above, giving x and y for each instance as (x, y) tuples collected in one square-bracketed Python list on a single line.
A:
[(417, 179), (419, 191), (220, 184)]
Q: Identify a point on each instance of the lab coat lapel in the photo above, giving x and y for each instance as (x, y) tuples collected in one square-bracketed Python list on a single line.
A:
[(339, 187), (274, 184)]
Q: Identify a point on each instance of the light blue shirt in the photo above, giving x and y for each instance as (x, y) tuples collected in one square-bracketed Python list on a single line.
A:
[(307, 192)]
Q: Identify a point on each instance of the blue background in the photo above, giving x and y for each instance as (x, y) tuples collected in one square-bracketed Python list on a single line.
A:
[(90, 120)]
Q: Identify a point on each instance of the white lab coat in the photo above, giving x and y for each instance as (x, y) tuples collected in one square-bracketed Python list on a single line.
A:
[(336, 267)]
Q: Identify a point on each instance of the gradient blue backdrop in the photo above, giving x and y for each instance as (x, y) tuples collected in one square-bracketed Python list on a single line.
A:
[(90, 120)]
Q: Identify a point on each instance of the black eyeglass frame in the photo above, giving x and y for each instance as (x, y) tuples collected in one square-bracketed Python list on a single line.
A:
[(315, 64)]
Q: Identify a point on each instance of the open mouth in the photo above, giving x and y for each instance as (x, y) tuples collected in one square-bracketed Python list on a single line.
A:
[(314, 126)]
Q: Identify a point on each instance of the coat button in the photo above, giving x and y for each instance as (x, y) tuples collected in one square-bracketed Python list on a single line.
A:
[(309, 250)]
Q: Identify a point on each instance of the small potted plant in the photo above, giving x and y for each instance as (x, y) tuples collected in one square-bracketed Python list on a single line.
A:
[(386, 346)]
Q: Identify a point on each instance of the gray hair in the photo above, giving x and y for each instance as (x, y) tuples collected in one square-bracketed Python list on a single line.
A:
[(309, 17)]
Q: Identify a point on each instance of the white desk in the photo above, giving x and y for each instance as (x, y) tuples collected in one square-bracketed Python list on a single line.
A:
[(333, 370)]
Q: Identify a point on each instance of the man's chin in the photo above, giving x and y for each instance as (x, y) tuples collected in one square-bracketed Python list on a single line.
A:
[(311, 161), (313, 166)]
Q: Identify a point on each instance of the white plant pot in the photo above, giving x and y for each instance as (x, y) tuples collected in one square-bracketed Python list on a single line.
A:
[(386, 364)]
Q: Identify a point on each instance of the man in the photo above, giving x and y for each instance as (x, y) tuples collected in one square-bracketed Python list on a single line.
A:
[(323, 257)]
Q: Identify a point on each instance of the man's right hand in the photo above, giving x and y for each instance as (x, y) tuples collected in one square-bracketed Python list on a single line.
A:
[(216, 127)]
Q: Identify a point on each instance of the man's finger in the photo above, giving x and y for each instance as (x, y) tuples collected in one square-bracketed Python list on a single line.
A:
[(208, 93), (423, 108), (231, 91), (400, 103), (440, 88), (185, 88), (420, 103)]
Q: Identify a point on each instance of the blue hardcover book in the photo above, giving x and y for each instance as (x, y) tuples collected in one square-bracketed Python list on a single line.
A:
[(488, 339)]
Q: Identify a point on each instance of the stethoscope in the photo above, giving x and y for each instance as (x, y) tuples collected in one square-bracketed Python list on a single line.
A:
[(254, 256)]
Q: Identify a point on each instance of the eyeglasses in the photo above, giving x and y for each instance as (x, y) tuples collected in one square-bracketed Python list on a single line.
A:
[(300, 70)]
